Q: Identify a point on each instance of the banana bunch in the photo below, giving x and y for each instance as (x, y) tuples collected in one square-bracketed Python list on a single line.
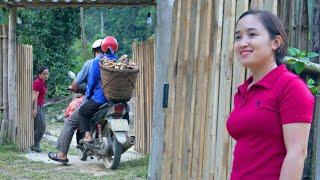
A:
[(122, 63)]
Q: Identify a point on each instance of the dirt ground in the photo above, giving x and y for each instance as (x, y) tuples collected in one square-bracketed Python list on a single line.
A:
[(132, 166)]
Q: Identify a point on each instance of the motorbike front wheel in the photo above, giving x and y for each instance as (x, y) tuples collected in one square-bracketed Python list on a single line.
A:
[(112, 162)]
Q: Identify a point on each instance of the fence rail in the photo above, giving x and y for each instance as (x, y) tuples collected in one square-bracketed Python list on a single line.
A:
[(143, 55)]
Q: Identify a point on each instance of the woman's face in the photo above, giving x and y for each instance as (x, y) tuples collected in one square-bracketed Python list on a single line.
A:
[(44, 75), (253, 45)]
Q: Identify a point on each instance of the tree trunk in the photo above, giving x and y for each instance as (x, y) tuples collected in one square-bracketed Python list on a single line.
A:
[(83, 33), (316, 30), (101, 23)]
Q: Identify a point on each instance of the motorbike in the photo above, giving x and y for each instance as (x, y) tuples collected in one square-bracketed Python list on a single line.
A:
[(109, 128)]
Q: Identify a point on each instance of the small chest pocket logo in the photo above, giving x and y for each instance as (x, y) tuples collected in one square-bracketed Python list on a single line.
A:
[(258, 103)]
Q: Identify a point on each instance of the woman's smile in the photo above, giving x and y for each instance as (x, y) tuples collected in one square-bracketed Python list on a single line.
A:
[(245, 53)]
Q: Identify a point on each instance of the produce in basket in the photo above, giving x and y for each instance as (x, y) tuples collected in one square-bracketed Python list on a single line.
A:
[(122, 63), (118, 78)]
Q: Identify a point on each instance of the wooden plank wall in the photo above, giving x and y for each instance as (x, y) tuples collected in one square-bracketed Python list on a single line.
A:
[(25, 123), (294, 15), (203, 77), (143, 55)]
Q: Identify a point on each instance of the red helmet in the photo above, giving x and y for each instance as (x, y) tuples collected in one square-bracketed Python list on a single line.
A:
[(109, 42)]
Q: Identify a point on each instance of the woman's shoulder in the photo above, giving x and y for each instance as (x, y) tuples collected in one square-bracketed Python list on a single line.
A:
[(290, 83), (290, 78)]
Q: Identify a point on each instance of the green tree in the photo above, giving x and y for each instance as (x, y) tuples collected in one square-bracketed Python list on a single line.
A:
[(51, 32)]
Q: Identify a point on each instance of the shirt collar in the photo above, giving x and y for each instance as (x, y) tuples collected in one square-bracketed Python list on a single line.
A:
[(267, 81), (41, 80)]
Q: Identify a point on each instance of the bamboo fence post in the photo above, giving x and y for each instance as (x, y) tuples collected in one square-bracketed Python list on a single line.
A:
[(169, 121), (316, 153), (4, 123), (223, 139), (161, 61), (12, 95)]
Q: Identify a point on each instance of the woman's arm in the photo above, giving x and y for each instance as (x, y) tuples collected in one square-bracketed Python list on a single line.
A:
[(35, 103), (296, 141)]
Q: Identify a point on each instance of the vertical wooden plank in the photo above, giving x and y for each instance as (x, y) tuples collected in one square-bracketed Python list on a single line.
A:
[(152, 89), (213, 89), (4, 123), (30, 91), (12, 96), (137, 92), (238, 77), (161, 64), (169, 120), (180, 90), (223, 140), (147, 94), (291, 23), (147, 52), (256, 4), (316, 150), (138, 100), (1, 68), (204, 70), (189, 85), (194, 160), (299, 24), (271, 5)]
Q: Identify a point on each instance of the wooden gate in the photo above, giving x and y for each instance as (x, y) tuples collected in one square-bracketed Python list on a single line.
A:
[(24, 126)]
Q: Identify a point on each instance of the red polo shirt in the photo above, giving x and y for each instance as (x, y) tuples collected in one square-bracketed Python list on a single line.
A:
[(280, 97), (40, 86)]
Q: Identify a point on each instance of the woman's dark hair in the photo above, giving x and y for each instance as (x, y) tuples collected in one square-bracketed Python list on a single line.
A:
[(40, 70), (274, 27)]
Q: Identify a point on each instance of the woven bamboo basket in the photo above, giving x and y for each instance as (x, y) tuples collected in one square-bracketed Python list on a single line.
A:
[(118, 85)]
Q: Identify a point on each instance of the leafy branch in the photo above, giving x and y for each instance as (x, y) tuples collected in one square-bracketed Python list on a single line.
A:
[(300, 60)]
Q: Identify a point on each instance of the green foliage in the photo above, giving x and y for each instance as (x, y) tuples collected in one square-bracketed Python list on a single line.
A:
[(298, 61), (3, 16), (126, 24), (55, 36), (51, 32)]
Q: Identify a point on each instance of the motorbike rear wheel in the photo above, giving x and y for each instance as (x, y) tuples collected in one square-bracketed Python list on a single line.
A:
[(112, 162)]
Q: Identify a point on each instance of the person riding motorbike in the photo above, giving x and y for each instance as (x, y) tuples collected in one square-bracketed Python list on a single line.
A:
[(72, 124), (94, 93)]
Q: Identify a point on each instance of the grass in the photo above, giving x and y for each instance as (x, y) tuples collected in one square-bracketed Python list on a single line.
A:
[(14, 166)]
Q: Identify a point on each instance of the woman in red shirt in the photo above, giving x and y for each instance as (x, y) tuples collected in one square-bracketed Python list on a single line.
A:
[(39, 92), (272, 109)]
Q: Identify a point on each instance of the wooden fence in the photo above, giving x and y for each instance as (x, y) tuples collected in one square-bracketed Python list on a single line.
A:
[(203, 77), (25, 123), (23, 74), (143, 55), (296, 16)]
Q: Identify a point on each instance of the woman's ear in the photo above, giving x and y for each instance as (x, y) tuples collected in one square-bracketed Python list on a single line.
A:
[(276, 42)]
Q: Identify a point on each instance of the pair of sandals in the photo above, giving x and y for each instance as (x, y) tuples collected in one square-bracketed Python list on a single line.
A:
[(54, 157)]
